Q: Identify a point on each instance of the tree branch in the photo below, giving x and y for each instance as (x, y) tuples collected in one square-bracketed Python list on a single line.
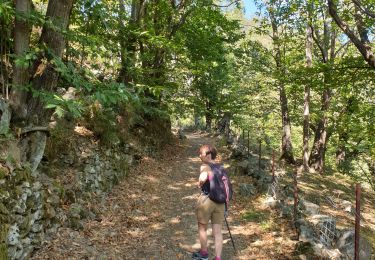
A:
[(341, 47), (182, 20), (34, 129), (363, 48), (316, 40), (363, 9)]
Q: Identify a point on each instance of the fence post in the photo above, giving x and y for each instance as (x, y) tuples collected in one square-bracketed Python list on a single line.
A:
[(248, 143), (295, 195), (260, 154), (357, 219)]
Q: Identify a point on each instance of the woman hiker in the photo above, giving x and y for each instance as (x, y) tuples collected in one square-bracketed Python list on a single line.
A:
[(208, 210)]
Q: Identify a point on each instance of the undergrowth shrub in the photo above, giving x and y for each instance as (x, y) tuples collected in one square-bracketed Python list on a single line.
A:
[(103, 123), (60, 139)]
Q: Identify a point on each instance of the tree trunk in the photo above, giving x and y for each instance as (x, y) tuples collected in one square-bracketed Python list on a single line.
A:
[(45, 76), (306, 107), (223, 124), (317, 156), (128, 40), (32, 144), (286, 146), (341, 150), (318, 151), (208, 115), (197, 121), (22, 31)]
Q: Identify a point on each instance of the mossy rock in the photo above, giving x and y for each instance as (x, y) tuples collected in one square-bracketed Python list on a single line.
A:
[(49, 211), (4, 194), (3, 209), (18, 191), (4, 172), (304, 248), (25, 226), (4, 219), (22, 175), (76, 224), (30, 203), (70, 196)]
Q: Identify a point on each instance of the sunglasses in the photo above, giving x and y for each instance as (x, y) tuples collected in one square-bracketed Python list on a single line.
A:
[(207, 153)]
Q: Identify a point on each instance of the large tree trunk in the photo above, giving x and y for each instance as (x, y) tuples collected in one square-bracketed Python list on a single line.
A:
[(32, 143), (317, 156), (223, 124), (22, 31), (45, 76), (318, 151), (286, 146)]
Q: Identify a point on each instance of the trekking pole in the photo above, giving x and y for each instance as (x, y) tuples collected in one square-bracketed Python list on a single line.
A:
[(230, 234)]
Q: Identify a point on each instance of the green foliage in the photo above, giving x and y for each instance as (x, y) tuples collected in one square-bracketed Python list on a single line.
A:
[(255, 216), (195, 60), (104, 125), (208, 66), (6, 10), (3, 241)]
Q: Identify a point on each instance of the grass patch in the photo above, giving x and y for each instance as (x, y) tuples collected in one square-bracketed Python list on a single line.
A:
[(266, 225), (369, 234), (255, 216)]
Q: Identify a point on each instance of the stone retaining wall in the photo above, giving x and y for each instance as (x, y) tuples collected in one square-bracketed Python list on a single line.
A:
[(33, 205)]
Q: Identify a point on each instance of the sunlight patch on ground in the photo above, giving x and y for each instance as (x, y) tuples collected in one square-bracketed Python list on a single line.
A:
[(107, 222), (83, 131), (188, 213), (140, 218), (190, 197), (157, 226), (239, 230), (135, 196), (153, 198), (190, 184), (175, 220), (152, 179), (257, 243), (135, 233), (173, 187)]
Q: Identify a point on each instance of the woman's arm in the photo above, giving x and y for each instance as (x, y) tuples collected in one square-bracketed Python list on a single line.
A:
[(205, 172)]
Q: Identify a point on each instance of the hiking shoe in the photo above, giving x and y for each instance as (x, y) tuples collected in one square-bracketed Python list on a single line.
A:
[(198, 256)]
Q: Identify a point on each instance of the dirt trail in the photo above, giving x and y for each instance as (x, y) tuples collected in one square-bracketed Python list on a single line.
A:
[(151, 216)]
